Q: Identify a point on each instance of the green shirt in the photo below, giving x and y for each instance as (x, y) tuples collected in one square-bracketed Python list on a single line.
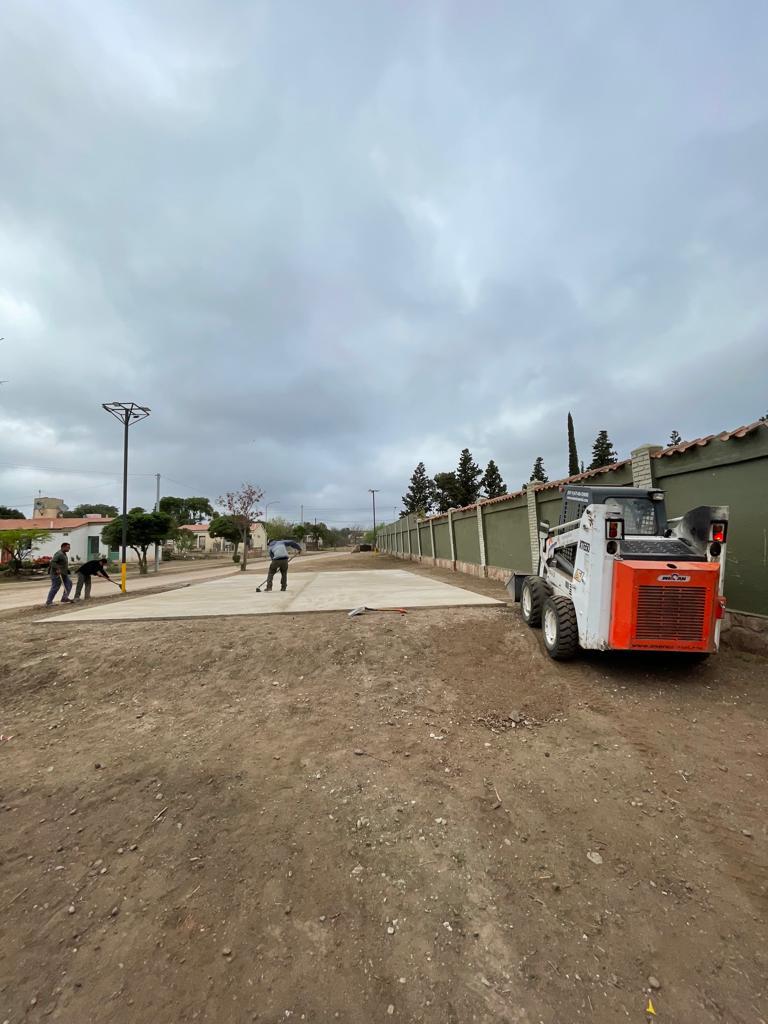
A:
[(59, 564)]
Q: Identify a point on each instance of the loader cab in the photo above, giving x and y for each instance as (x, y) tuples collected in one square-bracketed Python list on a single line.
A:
[(643, 512)]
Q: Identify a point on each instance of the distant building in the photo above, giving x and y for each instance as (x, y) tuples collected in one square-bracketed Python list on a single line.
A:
[(83, 533), (49, 508), (217, 545)]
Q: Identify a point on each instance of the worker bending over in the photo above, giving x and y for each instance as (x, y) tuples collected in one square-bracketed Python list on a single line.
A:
[(280, 554), (84, 574)]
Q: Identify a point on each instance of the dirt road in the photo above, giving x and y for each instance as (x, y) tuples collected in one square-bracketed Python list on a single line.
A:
[(416, 818)]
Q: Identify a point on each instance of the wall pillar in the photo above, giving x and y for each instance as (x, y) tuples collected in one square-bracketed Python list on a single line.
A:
[(432, 537), (533, 527), (642, 467), (408, 527), (418, 536), (481, 537), (450, 535)]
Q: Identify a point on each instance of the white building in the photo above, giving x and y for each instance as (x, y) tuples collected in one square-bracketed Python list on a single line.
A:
[(83, 534)]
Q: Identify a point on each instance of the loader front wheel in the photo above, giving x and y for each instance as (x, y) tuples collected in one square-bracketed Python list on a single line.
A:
[(561, 630), (532, 598)]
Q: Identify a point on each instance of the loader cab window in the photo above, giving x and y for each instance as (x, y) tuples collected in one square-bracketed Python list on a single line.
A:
[(640, 515)]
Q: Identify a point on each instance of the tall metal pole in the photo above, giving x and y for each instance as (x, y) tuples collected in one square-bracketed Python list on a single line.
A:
[(123, 565), (127, 413), (157, 509), (373, 493)]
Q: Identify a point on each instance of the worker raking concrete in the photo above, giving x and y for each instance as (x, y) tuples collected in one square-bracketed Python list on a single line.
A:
[(280, 555)]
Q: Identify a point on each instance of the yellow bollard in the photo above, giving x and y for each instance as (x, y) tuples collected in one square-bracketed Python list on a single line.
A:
[(123, 572)]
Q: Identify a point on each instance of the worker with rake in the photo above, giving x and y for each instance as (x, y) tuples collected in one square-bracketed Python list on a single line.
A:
[(280, 555)]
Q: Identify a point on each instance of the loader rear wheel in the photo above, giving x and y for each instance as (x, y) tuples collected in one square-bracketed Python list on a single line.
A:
[(532, 599), (561, 630)]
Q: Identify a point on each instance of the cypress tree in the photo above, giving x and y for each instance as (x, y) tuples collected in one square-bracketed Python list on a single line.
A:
[(573, 455)]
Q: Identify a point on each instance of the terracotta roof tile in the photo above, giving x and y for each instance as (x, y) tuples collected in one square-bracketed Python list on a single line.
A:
[(701, 442), (46, 523)]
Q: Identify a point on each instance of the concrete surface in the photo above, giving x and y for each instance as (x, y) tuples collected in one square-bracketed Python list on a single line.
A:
[(308, 592)]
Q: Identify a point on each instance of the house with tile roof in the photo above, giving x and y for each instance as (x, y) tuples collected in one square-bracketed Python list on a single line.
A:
[(82, 533)]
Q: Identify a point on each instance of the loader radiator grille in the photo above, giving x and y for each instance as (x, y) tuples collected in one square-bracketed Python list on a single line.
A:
[(671, 613)]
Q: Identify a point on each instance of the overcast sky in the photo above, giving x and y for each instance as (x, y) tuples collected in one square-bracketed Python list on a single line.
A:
[(326, 240)]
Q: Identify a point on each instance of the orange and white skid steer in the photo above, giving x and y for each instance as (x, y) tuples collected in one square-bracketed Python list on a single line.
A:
[(616, 575)]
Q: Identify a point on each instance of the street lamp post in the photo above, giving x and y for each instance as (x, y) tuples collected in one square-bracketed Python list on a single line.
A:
[(127, 413), (373, 492), (266, 508)]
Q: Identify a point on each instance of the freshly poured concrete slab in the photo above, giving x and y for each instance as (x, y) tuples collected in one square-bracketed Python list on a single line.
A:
[(307, 592)]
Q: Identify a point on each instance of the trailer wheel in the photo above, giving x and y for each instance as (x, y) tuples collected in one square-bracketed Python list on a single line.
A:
[(561, 630), (532, 598)]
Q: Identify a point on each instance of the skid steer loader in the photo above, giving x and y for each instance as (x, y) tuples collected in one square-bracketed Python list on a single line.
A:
[(616, 575)]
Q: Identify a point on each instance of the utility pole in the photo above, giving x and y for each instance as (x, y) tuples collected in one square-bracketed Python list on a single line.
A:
[(373, 492), (157, 509), (127, 413), (301, 519)]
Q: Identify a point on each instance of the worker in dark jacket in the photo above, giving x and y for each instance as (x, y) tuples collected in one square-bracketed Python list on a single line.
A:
[(84, 574), (280, 553), (59, 570)]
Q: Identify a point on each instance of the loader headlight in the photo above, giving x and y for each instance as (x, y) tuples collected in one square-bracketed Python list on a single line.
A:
[(614, 529)]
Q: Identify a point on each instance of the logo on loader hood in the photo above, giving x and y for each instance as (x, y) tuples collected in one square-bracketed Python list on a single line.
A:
[(673, 577)]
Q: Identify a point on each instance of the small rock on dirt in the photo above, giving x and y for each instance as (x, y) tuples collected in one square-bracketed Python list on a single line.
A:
[(226, 951), (654, 982), (594, 856), (746, 832), (390, 1009), (358, 752)]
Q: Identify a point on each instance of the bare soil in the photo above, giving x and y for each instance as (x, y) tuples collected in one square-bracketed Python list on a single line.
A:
[(417, 818)]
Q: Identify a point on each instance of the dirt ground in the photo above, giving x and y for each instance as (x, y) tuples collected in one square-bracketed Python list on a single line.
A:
[(415, 818)]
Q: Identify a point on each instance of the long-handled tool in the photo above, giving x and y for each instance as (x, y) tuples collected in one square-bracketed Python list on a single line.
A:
[(264, 582)]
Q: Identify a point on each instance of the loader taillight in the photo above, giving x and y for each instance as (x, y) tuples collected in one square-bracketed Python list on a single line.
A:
[(614, 529), (718, 532)]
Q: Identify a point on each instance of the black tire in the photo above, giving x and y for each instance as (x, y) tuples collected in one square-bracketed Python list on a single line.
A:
[(532, 598), (561, 630)]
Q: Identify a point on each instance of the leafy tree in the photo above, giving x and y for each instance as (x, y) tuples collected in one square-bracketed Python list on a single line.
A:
[(10, 513), (279, 529), (492, 483), (573, 455), (603, 453), (18, 544), (184, 539), (468, 476), (446, 491), (674, 438), (763, 419), (145, 529), (420, 497), (227, 528), (319, 533), (539, 474), (108, 511), (242, 506), (187, 511)]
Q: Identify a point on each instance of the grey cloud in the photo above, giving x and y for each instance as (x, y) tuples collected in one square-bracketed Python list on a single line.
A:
[(326, 241)]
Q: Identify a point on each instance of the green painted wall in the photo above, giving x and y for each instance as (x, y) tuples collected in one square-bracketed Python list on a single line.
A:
[(506, 535), (694, 478), (426, 540), (732, 472), (467, 539), (442, 540)]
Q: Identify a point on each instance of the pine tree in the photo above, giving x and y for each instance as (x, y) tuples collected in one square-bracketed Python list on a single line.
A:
[(446, 491), (539, 474), (674, 438), (573, 455), (492, 483), (420, 497), (602, 451), (468, 475)]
